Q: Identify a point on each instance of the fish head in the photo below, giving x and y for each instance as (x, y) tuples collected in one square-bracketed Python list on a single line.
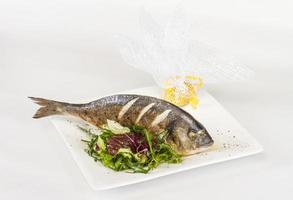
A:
[(189, 141)]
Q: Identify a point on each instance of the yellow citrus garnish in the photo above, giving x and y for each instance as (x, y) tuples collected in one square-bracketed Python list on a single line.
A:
[(182, 90)]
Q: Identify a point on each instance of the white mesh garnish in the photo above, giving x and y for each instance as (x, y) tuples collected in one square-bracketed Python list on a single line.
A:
[(171, 51)]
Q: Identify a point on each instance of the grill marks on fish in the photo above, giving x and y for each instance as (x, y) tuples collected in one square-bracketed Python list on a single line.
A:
[(126, 107), (148, 117), (161, 117), (143, 111), (135, 112)]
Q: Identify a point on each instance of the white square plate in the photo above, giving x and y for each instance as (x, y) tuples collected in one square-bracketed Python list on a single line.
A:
[(231, 141)]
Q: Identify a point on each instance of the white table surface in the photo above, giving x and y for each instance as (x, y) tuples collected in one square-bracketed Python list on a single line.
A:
[(65, 50)]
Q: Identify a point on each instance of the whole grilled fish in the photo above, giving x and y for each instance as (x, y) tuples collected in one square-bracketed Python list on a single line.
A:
[(186, 135)]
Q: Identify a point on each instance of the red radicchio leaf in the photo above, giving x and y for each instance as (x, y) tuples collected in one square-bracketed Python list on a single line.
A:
[(136, 142)]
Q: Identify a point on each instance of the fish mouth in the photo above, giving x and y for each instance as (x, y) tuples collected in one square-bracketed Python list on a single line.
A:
[(191, 151), (196, 151)]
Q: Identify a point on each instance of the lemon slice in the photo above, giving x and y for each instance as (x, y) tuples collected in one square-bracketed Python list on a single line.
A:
[(182, 91)]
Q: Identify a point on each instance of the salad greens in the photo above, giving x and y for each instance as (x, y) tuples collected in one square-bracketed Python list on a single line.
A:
[(131, 149)]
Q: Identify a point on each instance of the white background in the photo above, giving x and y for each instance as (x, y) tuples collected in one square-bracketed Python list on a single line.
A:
[(65, 50)]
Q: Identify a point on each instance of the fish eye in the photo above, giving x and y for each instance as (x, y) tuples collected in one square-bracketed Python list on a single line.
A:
[(192, 135)]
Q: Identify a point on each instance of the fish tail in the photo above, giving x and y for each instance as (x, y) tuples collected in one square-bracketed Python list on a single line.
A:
[(48, 107)]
